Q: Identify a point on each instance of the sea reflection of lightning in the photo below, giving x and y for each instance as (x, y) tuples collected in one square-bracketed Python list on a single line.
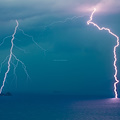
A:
[(115, 56), (10, 59)]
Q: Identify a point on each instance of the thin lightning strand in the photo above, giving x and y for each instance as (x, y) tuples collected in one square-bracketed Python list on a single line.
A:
[(115, 56), (3, 63), (32, 40), (64, 21), (14, 72), (4, 40), (20, 49), (23, 65), (11, 50)]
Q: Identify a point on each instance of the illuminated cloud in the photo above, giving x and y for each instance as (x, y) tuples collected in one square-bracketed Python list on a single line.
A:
[(109, 6)]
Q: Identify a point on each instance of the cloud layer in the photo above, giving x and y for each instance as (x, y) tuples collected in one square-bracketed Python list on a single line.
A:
[(14, 9)]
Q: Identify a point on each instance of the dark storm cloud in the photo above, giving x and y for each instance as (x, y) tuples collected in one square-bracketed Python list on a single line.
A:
[(79, 57)]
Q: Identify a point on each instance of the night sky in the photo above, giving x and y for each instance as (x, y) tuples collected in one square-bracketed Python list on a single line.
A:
[(78, 58)]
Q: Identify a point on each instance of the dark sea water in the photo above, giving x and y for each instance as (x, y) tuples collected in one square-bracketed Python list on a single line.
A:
[(38, 107)]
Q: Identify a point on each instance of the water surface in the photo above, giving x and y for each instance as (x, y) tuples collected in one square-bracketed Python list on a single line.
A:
[(39, 107)]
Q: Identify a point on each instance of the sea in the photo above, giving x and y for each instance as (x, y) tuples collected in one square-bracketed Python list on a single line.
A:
[(58, 107)]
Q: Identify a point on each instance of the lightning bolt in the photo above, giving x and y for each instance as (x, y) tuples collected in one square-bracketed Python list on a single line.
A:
[(10, 59), (11, 55), (115, 47)]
